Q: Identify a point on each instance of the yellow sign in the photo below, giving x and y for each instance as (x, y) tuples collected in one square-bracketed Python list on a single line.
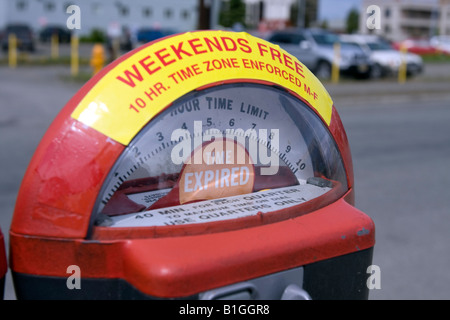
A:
[(143, 84)]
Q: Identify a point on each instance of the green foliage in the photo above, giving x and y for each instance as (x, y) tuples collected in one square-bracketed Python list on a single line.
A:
[(232, 11), (96, 36), (353, 21), (436, 58)]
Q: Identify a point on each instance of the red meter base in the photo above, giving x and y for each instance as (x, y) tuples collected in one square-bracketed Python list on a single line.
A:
[(335, 264), (339, 278)]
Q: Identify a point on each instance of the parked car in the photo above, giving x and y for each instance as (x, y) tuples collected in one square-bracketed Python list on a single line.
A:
[(385, 59), (417, 46), (441, 43), (315, 49), (24, 35), (145, 35), (47, 32)]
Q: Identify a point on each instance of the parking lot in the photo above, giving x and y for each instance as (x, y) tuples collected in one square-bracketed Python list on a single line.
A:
[(399, 137)]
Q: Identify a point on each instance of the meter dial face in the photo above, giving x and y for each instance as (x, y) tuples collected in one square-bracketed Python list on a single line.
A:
[(224, 152)]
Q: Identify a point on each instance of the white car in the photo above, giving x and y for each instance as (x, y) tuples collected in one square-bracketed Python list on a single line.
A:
[(386, 60), (315, 49), (442, 43)]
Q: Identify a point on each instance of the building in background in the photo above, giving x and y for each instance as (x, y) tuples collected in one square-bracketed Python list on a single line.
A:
[(403, 19), (278, 14), (179, 15), (444, 18)]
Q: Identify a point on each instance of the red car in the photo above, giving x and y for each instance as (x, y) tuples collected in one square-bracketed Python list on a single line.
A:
[(417, 46)]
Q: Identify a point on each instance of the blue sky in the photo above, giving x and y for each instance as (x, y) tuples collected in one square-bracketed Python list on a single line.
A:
[(336, 9)]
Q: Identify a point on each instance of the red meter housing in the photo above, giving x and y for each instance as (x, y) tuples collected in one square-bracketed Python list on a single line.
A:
[(115, 206)]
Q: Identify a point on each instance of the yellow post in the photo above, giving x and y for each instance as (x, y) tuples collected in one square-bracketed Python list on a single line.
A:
[(74, 58), (402, 67), (98, 58), (336, 62), (55, 46), (12, 50), (116, 48)]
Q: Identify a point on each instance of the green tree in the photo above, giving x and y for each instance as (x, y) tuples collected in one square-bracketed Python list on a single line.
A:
[(352, 21), (232, 11), (324, 24)]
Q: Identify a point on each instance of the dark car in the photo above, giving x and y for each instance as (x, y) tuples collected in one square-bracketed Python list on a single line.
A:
[(24, 35), (63, 34), (149, 34)]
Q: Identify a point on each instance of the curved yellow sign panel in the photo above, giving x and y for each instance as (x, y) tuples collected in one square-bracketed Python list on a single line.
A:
[(142, 85)]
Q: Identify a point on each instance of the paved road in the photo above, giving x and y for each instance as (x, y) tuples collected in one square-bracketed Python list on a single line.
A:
[(400, 141), (401, 155)]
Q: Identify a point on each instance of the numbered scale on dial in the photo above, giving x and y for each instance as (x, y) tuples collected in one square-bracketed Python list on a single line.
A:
[(224, 152)]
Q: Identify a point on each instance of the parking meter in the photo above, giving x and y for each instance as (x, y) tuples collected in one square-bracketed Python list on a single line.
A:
[(204, 165)]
